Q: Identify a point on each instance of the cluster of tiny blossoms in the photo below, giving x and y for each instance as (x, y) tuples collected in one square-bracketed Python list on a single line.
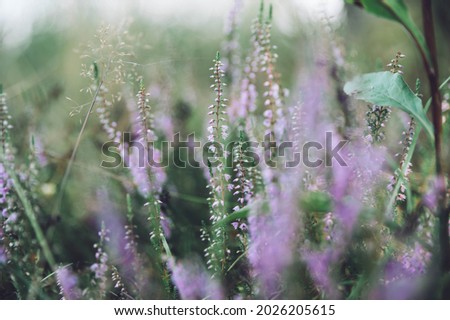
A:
[(243, 185), (100, 267), (67, 283), (394, 65), (148, 179), (104, 115), (405, 166), (248, 91), (6, 202), (272, 93), (153, 177), (220, 181), (119, 284), (376, 118), (6, 154), (230, 47), (217, 134)]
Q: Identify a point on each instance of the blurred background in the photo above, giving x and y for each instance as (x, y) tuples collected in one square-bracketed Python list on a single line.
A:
[(43, 45)]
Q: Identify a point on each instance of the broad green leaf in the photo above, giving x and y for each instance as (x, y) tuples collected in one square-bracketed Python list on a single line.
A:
[(395, 10), (389, 89), (379, 8)]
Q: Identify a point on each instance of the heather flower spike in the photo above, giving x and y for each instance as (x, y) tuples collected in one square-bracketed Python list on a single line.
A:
[(7, 203), (243, 186), (273, 93), (404, 170), (152, 178), (401, 175), (376, 119), (67, 283), (394, 65), (193, 281), (220, 182), (101, 266)]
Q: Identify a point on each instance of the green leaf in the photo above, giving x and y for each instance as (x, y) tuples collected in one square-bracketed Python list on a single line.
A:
[(239, 214), (354, 2), (395, 10), (389, 89)]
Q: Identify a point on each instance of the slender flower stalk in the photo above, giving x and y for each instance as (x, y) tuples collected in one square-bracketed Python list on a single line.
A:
[(272, 94), (230, 47), (132, 260), (7, 157), (119, 284), (8, 215), (108, 51), (5, 126), (377, 116), (219, 183), (404, 170), (243, 185), (152, 177), (405, 167), (248, 91), (395, 66), (104, 106), (147, 177), (101, 267)]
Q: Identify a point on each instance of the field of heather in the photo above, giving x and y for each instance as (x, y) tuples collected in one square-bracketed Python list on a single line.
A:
[(227, 149)]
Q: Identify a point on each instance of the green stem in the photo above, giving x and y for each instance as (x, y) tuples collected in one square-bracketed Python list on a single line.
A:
[(409, 156), (29, 212), (74, 153)]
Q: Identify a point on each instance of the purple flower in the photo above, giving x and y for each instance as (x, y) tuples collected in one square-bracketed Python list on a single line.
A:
[(119, 247), (40, 151), (414, 261), (3, 253), (5, 186), (273, 234), (147, 176), (67, 283), (349, 189), (3, 257), (193, 281), (319, 265), (431, 198), (398, 283), (101, 265)]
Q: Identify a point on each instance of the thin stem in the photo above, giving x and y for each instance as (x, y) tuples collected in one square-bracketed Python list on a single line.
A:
[(74, 153), (409, 155), (433, 76), (29, 212)]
